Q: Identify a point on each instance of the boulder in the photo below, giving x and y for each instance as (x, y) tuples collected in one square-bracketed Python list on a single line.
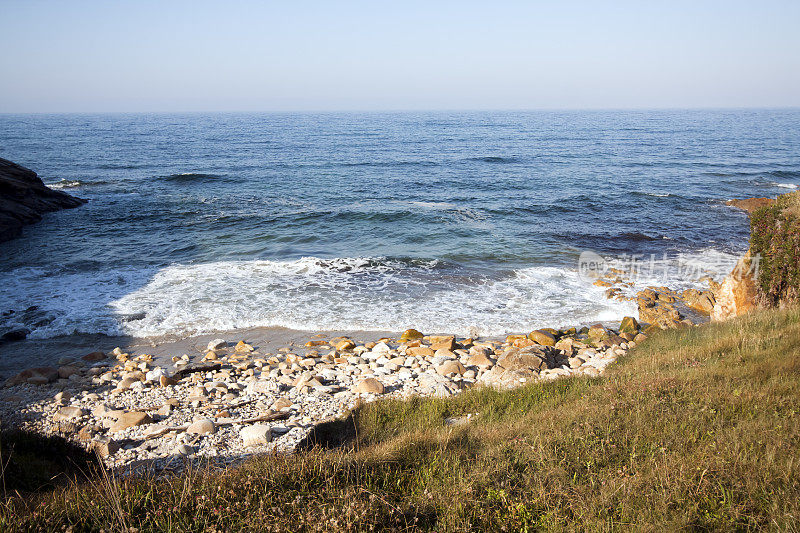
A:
[(64, 372), (243, 347), (14, 335), (701, 301), (480, 359), (68, 413), (370, 386), (597, 332), (217, 344), (256, 434), (94, 356), (345, 344), (542, 337), (420, 351), (410, 335), (105, 447), (629, 325), (451, 367), (203, 426), (448, 343), (24, 198), (526, 360), (36, 376), (130, 419)]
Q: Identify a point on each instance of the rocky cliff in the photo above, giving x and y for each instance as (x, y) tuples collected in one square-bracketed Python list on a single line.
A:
[(769, 274), (24, 198)]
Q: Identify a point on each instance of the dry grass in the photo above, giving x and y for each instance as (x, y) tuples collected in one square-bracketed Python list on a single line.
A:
[(696, 429)]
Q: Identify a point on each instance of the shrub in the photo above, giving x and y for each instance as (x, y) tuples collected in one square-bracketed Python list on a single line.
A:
[(775, 237)]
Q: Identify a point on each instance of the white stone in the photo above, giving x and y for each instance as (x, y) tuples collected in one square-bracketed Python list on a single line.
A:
[(217, 344), (255, 434)]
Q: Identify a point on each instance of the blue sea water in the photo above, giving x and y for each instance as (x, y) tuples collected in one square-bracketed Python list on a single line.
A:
[(443, 221)]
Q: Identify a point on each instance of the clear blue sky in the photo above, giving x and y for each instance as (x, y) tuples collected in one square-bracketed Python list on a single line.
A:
[(233, 55)]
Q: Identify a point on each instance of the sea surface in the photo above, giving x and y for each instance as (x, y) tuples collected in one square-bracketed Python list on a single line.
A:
[(444, 221)]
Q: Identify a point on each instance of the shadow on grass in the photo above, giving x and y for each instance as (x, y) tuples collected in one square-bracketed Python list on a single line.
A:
[(339, 433), (34, 463)]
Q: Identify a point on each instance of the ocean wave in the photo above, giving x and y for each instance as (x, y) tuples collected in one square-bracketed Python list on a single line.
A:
[(310, 294), (654, 194), (65, 184), (785, 185), (74, 184), (194, 177), (495, 159)]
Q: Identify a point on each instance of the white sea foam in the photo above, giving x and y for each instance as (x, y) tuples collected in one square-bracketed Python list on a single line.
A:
[(306, 294), (337, 294), (65, 184), (785, 185)]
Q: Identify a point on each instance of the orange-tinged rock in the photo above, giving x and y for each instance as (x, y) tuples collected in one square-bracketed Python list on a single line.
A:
[(738, 293)]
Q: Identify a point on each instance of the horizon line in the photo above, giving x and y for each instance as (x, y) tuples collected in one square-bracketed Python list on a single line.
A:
[(407, 110)]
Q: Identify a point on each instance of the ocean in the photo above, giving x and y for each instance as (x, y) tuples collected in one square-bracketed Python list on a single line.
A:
[(449, 222)]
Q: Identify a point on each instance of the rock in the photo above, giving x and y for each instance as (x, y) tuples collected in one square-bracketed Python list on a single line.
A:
[(156, 374), (410, 335), (480, 359), (451, 367), (448, 343), (566, 345), (263, 387), (94, 356), (203, 426), (380, 347), (542, 337), (15, 334), (701, 301), (24, 198), (35, 376), (64, 372), (255, 434), (243, 347), (629, 325), (184, 449), (420, 351), (597, 332), (105, 447), (662, 316), (738, 293), (280, 404), (166, 381), (750, 204), (130, 419), (525, 360), (524, 342), (68, 413), (217, 344), (127, 383), (370, 386), (345, 344)]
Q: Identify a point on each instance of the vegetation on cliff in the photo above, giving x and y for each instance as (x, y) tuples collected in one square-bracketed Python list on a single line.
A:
[(695, 428), (775, 238)]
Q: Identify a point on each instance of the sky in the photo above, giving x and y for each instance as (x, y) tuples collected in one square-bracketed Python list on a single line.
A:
[(305, 55)]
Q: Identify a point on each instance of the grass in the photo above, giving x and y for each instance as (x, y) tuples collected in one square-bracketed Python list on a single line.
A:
[(695, 429)]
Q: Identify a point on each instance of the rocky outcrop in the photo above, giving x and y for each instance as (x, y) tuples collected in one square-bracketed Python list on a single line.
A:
[(750, 204), (24, 198), (738, 293)]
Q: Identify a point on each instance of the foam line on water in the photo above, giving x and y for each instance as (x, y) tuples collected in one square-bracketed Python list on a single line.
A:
[(306, 294)]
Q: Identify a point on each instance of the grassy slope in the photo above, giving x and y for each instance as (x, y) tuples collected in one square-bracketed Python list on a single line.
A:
[(696, 428)]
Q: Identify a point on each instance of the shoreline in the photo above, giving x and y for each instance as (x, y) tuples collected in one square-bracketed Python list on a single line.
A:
[(148, 406)]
